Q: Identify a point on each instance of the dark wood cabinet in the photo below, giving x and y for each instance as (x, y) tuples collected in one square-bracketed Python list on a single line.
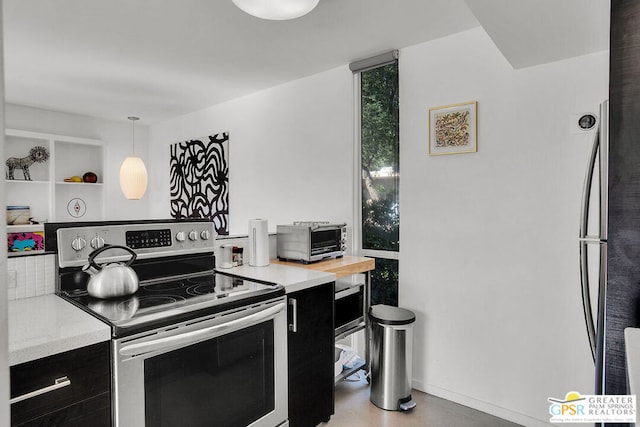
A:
[(82, 398), (311, 355)]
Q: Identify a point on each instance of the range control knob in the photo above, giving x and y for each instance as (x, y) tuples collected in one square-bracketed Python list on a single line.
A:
[(193, 235), (205, 234), (97, 242), (78, 244), (181, 236)]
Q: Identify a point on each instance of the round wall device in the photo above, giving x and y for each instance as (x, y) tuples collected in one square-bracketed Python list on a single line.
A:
[(587, 121)]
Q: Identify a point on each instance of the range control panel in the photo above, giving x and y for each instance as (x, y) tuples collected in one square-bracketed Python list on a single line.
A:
[(148, 240)]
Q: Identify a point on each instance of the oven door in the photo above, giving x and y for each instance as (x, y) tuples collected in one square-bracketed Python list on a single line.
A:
[(228, 369)]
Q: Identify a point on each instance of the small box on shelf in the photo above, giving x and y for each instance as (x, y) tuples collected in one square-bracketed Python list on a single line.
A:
[(25, 239)]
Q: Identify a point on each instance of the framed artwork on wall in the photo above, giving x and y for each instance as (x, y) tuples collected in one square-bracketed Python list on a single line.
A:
[(453, 129), (199, 171)]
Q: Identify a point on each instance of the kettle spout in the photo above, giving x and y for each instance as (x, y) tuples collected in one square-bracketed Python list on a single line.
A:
[(88, 268)]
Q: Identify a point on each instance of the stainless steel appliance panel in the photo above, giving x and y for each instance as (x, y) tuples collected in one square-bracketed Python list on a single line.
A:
[(134, 372), (310, 242), (592, 241), (349, 308)]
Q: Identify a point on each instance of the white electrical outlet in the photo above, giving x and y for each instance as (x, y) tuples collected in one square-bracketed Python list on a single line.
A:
[(12, 278)]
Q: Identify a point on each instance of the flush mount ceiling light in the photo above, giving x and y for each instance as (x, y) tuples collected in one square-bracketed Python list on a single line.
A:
[(276, 10), (133, 173)]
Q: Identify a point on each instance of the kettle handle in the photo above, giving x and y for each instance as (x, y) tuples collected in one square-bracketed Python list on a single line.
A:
[(98, 251)]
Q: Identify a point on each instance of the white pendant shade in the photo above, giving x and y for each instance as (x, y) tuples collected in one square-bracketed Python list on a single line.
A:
[(133, 178), (276, 9)]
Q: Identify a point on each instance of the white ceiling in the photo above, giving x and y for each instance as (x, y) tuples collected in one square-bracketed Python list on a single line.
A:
[(158, 59)]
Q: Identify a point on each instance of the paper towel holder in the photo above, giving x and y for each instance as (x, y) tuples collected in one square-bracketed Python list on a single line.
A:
[(258, 242)]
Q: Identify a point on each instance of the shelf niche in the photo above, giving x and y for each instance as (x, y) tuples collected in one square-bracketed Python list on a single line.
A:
[(49, 197)]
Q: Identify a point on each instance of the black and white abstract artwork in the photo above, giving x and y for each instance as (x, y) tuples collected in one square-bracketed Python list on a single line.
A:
[(199, 170)]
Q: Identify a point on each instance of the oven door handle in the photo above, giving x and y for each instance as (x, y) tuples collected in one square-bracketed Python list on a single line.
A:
[(194, 336)]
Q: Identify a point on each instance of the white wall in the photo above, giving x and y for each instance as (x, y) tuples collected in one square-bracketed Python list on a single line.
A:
[(489, 258), (489, 252), (290, 150), (117, 139)]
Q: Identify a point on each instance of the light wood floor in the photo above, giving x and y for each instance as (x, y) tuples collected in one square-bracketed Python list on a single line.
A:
[(354, 409)]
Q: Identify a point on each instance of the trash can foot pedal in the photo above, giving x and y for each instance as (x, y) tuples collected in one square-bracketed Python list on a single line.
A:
[(407, 406)]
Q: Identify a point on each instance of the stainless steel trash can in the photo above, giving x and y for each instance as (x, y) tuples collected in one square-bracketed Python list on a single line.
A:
[(391, 348)]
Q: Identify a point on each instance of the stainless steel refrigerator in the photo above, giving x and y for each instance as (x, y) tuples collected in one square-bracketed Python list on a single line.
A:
[(593, 245)]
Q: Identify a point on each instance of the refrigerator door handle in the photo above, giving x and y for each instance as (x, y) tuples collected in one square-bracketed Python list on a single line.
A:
[(586, 297), (584, 240)]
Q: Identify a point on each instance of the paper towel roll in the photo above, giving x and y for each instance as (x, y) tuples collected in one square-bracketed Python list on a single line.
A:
[(258, 242)]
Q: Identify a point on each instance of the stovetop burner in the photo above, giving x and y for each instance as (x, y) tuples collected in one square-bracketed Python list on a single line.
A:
[(168, 287), (159, 303)]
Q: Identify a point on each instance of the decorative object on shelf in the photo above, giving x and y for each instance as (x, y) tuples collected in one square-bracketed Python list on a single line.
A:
[(133, 172), (90, 177), (74, 178), (276, 10), (18, 215), (77, 207), (453, 129), (199, 170), (237, 253), (37, 154), (27, 241)]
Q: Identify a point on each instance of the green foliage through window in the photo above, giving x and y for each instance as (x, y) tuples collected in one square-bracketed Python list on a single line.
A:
[(380, 151), (380, 158), (384, 282)]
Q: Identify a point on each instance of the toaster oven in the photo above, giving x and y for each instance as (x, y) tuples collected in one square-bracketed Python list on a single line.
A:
[(310, 241)]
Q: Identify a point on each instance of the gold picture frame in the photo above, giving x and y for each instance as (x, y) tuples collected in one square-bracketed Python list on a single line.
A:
[(453, 129)]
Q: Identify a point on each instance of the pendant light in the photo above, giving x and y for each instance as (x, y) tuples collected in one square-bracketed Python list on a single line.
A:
[(133, 173), (276, 10)]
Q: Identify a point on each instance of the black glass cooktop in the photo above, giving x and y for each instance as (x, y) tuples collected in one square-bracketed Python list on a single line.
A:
[(162, 303)]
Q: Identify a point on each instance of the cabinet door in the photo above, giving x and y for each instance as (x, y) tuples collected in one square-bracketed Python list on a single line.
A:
[(87, 397), (311, 356)]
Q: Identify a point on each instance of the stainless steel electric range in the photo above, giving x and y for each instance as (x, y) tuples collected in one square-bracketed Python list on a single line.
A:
[(192, 346)]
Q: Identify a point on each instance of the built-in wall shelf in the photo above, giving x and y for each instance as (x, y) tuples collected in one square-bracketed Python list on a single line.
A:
[(23, 182), (49, 197), (89, 184), (27, 253), (25, 228)]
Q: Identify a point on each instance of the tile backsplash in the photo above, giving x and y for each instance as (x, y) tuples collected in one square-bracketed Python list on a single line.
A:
[(30, 276)]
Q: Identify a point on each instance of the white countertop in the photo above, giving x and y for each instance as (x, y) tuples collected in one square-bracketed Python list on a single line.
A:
[(46, 325), (292, 278), (632, 347)]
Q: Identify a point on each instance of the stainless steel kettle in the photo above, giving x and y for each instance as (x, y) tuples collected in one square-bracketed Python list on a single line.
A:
[(111, 280)]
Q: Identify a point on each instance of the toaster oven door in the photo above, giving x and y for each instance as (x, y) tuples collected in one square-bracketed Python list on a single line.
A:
[(326, 241)]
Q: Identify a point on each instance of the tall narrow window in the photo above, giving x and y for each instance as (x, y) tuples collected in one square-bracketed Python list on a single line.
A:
[(377, 92)]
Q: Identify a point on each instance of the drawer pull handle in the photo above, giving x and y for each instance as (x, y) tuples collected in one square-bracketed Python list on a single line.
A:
[(57, 383)]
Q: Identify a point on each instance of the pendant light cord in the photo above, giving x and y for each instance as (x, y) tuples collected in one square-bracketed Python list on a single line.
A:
[(133, 132)]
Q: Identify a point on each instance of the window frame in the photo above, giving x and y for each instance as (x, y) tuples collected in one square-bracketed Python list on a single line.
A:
[(357, 176)]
